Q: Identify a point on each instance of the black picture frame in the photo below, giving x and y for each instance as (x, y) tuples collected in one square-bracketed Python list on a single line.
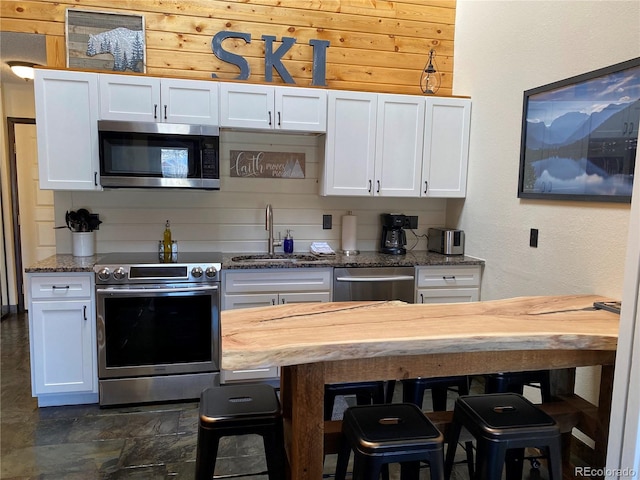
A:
[(579, 136)]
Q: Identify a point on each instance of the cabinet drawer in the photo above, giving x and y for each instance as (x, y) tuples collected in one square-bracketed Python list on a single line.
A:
[(229, 376), (448, 295), (60, 286), (454, 276), (277, 280)]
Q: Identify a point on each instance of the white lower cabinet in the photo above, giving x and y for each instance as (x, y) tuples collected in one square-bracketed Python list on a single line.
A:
[(62, 337), (448, 284), (265, 287)]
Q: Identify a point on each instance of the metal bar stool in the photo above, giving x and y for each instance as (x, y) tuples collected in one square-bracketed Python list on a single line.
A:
[(515, 381), (413, 392), (240, 410), (366, 393), (389, 433), (504, 424)]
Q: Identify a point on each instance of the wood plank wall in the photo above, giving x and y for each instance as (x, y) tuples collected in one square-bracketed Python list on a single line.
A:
[(376, 45)]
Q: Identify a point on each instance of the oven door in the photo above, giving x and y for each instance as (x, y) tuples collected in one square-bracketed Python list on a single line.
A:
[(157, 330)]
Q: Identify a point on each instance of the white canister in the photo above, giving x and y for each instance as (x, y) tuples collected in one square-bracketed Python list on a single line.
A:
[(83, 244)]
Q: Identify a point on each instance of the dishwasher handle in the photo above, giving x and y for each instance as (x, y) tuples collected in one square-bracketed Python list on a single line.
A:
[(387, 278)]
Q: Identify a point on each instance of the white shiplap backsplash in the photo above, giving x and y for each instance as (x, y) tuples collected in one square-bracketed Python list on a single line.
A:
[(233, 218)]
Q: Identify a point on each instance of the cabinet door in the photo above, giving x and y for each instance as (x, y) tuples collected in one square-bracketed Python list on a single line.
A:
[(446, 147), (301, 109), (67, 128), (63, 354), (350, 144), (130, 98), (399, 143), (246, 106), (189, 101)]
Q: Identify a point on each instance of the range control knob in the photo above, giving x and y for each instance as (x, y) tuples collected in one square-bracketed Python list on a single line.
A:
[(211, 272), (119, 273), (104, 274), (196, 272)]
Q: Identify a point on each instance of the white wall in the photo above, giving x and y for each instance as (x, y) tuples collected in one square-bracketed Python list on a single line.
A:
[(233, 219), (501, 49)]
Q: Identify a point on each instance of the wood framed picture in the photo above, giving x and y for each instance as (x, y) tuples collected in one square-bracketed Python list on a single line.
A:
[(105, 41), (580, 136)]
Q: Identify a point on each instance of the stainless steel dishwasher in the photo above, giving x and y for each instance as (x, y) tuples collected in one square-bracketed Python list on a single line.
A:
[(374, 283)]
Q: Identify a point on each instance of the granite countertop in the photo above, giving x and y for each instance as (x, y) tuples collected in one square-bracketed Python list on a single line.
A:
[(364, 259), (68, 263), (61, 263)]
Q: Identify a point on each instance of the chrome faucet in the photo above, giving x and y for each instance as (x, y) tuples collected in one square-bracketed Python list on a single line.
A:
[(269, 226)]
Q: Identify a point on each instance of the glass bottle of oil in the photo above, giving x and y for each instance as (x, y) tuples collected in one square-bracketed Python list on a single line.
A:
[(167, 242)]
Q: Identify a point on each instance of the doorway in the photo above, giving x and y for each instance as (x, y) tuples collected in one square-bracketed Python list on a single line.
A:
[(32, 209)]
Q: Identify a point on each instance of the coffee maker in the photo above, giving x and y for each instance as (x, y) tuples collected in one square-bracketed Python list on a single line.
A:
[(393, 236)]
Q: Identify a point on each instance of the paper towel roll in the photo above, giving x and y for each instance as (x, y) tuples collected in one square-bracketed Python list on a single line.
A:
[(349, 223)]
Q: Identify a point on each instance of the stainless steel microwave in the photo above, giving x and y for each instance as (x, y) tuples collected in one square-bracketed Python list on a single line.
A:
[(158, 155)]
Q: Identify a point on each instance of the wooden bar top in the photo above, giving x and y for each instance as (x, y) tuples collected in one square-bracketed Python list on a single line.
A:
[(297, 334)]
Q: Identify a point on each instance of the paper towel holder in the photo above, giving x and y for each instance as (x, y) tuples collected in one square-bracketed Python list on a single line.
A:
[(348, 251)]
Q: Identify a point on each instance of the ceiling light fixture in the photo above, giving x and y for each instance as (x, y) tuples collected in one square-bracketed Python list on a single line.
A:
[(23, 70), (430, 77)]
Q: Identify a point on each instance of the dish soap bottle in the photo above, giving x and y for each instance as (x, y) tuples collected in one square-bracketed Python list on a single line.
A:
[(167, 242), (288, 242)]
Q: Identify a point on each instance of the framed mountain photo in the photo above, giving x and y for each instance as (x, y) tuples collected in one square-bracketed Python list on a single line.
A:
[(105, 41), (580, 136)]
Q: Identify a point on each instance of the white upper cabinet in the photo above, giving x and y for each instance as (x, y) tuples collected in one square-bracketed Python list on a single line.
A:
[(263, 107), (67, 129), (446, 147), (399, 140), (373, 145), (148, 99), (350, 144)]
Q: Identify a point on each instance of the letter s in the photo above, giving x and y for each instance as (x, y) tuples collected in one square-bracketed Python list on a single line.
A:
[(225, 56)]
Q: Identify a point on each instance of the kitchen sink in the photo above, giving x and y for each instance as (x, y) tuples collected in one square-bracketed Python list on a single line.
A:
[(278, 257)]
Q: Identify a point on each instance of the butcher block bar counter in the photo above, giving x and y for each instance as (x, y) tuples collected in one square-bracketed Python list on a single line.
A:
[(320, 343)]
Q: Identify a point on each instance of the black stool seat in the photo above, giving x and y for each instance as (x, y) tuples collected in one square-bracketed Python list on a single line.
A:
[(389, 433), (514, 382), (413, 390), (240, 410), (501, 422), (366, 393)]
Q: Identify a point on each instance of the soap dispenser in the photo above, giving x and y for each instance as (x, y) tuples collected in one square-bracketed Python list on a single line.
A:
[(288, 242)]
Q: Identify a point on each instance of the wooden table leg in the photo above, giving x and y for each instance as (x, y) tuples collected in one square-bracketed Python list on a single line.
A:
[(604, 413), (302, 396)]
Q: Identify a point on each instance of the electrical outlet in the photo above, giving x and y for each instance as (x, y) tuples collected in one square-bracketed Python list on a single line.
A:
[(411, 221), (533, 238), (326, 222)]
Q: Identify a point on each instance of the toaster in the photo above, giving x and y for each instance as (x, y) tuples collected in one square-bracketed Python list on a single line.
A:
[(447, 241)]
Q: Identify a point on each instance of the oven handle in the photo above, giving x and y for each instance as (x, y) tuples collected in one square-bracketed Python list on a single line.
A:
[(155, 290), (389, 278)]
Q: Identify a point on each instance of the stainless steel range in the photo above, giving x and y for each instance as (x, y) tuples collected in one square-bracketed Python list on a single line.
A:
[(158, 326)]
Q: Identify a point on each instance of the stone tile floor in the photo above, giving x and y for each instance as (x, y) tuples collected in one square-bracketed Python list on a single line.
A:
[(85, 442)]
